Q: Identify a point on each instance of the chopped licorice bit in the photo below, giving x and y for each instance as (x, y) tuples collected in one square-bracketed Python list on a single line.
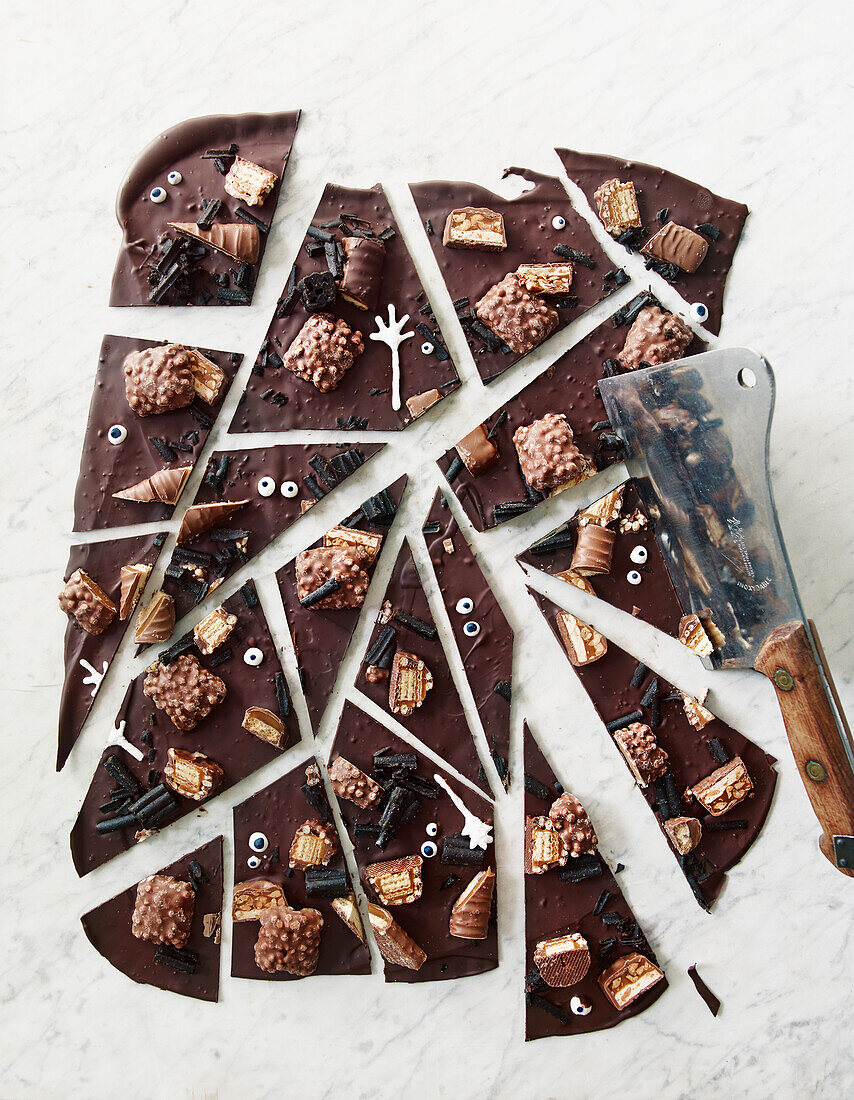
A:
[(323, 470), (176, 958), (630, 310), (326, 883), (557, 540), (717, 751), (457, 851), (388, 761), (184, 643), (604, 898), (581, 868), (501, 766), (416, 625), (504, 689), (197, 874), (311, 483), (434, 339), (712, 1002), (370, 832), (247, 217), (539, 790), (651, 693), (567, 253), (450, 881), (431, 527), (454, 470), (428, 228), (163, 448), (220, 658), (610, 917), (499, 420), (709, 230), (249, 595), (722, 825), (639, 675), (385, 641), (510, 509), (326, 589), (624, 720), (283, 698), (315, 796), (534, 1000), (607, 945), (146, 737)]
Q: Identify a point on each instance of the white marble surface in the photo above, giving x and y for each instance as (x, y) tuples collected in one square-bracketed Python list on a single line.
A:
[(749, 97)]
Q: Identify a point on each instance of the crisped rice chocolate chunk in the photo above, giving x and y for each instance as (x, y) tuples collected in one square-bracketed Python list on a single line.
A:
[(324, 350), (362, 280), (547, 454), (645, 757), (396, 881), (519, 318), (163, 912), (475, 227), (676, 244), (351, 783), (158, 379), (185, 690), (569, 817), (562, 960), (315, 843), (655, 337), (628, 978), (192, 774), (343, 563), (618, 206), (250, 899), (724, 788), (288, 939), (477, 451), (544, 847), (87, 603)]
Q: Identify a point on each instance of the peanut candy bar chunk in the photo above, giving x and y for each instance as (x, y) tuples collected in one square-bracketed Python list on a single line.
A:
[(684, 833), (698, 715), (576, 580), (163, 911), (214, 629), (315, 843), (655, 337), (250, 899), (475, 227), (617, 204), (408, 684), (396, 881), (724, 788), (192, 774), (676, 244), (646, 759), (133, 581), (351, 783), (158, 380), (548, 455), (630, 525), (472, 909), (395, 945), (582, 643), (184, 689), (552, 278), (521, 319), (348, 911), (569, 817), (367, 543), (477, 451), (324, 349), (262, 723), (87, 603), (628, 978), (604, 510), (544, 847), (562, 960), (249, 181), (208, 378), (288, 939), (693, 634), (345, 563)]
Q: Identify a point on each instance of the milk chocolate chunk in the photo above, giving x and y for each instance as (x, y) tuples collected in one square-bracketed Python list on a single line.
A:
[(158, 379), (214, 629), (366, 543), (604, 510), (655, 337), (684, 833), (133, 580), (395, 945), (544, 847), (156, 620), (553, 278), (693, 634), (192, 774), (351, 783), (674, 244), (163, 912), (264, 724), (645, 757), (184, 689), (348, 911), (419, 403), (724, 788), (593, 550), (477, 451), (695, 712), (239, 241), (562, 960), (475, 227), (471, 911), (617, 204), (582, 643), (409, 683), (249, 182), (324, 349), (164, 486), (628, 978), (200, 518), (250, 899), (547, 454), (575, 828), (315, 843), (289, 939), (362, 280), (317, 566), (396, 881), (87, 603), (521, 319)]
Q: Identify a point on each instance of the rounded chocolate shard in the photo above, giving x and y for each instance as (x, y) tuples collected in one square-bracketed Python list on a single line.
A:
[(158, 379), (165, 486), (472, 909), (237, 240), (574, 827), (364, 260), (202, 517), (156, 620), (593, 550)]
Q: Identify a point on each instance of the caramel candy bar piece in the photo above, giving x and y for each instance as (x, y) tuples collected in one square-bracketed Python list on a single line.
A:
[(249, 182), (200, 518), (408, 684), (645, 757), (163, 911), (477, 451), (695, 712), (472, 909), (345, 563), (655, 337), (158, 380), (617, 204), (630, 525), (192, 774), (543, 846), (593, 550), (396, 881), (184, 689), (364, 260), (684, 833), (692, 634), (575, 828), (419, 403), (546, 278), (164, 486), (395, 946), (674, 244), (724, 788), (604, 510), (250, 899), (239, 241), (87, 603), (262, 723), (323, 351), (288, 939), (208, 378), (562, 960), (521, 319), (582, 643), (628, 978), (475, 227), (133, 580), (315, 843), (351, 783), (348, 911), (156, 620), (548, 457), (213, 630), (576, 580), (367, 543)]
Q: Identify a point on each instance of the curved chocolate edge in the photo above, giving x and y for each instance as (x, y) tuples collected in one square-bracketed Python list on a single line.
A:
[(263, 139), (687, 203), (440, 722), (106, 468), (487, 658), (357, 738), (277, 811), (219, 736), (554, 906), (103, 562), (108, 929), (356, 395), (530, 239), (321, 637)]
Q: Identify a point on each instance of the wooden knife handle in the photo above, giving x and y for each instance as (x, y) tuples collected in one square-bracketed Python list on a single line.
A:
[(788, 660)]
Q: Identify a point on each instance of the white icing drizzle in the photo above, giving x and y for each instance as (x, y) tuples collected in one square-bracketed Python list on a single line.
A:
[(476, 830), (393, 335), (95, 677), (118, 740)]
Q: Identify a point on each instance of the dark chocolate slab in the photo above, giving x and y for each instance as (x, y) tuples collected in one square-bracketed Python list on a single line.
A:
[(553, 906), (426, 920), (103, 562), (487, 657), (108, 929), (106, 468), (278, 811), (321, 636), (531, 238), (686, 203), (263, 139), (219, 736), (364, 392)]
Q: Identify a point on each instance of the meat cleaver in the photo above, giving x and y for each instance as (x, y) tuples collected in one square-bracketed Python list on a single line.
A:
[(697, 433)]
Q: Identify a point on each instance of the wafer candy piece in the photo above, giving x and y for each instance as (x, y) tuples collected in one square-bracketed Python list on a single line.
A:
[(562, 960), (546, 278), (628, 978), (250, 899), (192, 774), (724, 788), (646, 759), (249, 181), (692, 634), (395, 946), (239, 241), (208, 378), (315, 843), (200, 518), (473, 908), (367, 542), (133, 581), (87, 603), (409, 683), (521, 319), (348, 911), (262, 723), (684, 833), (351, 783), (582, 643), (543, 846), (163, 911), (569, 817), (165, 486), (214, 629), (675, 244), (289, 940), (156, 620), (617, 204), (396, 881), (698, 715), (604, 510), (475, 227)]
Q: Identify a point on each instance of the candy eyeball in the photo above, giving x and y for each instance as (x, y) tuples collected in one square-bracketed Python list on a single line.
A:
[(471, 629), (158, 194), (258, 842), (117, 434), (580, 1006), (266, 486), (465, 606), (558, 222), (253, 863), (289, 489), (699, 312), (253, 657), (431, 829), (633, 577), (428, 849), (639, 555), (174, 178), (426, 348)]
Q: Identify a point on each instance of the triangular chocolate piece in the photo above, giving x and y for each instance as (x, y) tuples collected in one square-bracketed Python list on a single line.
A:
[(200, 518)]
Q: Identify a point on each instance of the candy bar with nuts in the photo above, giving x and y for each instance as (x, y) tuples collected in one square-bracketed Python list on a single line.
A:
[(645, 757), (692, 634), (655, 337), (724, 788), (628, 978), (544, 847), (214, 629), (546, 278), (184, 689), (676, 244), (574, 827), (548, 457), (351, 783), (192, 774), (264, 724), (409, 683), (364, 259), (156, 620), (348, 911), (396, 881), (684, 833), (618, 206), (164, 486), (344, 563), (562, 960), (594, 548), (395, 946), (323, 350), (208, 377), (250, 899), (582, 643), (695, 712), (249, 181), (239, 241), (368, 543), (477, 451), (315, 843), (289, 939), (163, 912), (604, 510), (475, 227), (521, 319), (632, 523), (133, 581), (87, 603), (158, 379), (472, 909)]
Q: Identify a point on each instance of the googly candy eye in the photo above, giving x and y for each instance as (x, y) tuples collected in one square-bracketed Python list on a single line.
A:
[(431, 829), (465, 606), (558, 222), (699, 312), (426, 348), (428, 849), (174, 178), (253, 863), (633, 577), (471, 629), (289, 489), (253, 656), (258, 842), (158, 194), (639, 555), (266, 486), (117, 434), (580, 1006)]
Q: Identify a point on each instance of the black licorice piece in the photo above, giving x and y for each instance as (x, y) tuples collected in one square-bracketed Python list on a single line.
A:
[(510, 509), (395, 804), (557, 540), (323, 470), (250, 597), (454, 470), (721, 825), (176, 958), (504, 689), (534, 1000), (419, 785), (117, 771), (387, 761), (610, 917), (578, 257), (117, 803), (434, 339), (163, 448), (326, 883), (537, 789), (315, 796), (326, 589), (200, 416), (196, 873), (219, 658), (639, 675), (215, 474), (501, 766), (604, 898), (239, 297), (499, 420), (166, 283), (717, 751), (651, 693), (113, 824), (318, 234), (630, 310), (148, 798), (379, 510), (363, 829), (581, 868), (450, 881), (432, 527), (283, 698), (709, 230), (385, 640), (311, 483), (416, 625), (457, 852), (186, 555), (534, 982), (247, 217), (626, 720)]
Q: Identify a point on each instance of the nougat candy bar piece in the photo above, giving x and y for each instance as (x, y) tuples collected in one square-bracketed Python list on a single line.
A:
[(395, 945), (698, 715), (163, 911), (408, 684), (324, 349), (724, 788), (574, 827), (548, 456), (352, 783), (87, 603), (583, 644), (208, 378), (684, 833), (554, 278), (367, 543), (348, 911), (656, 337), (288, 939), (676, 244), (521, 319), (544, 847), (249, 181), (315, 843), (646, 759), (184, 689), (192, 774), (475, 227), (604, 510), (628, 978), (250, 899), (214, 629), (396, 881), (562, 960), (617, 205)]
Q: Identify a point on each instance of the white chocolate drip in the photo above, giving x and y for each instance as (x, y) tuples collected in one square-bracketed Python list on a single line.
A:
[(95, 677), (393, 335), (118, 740), (476, 830)]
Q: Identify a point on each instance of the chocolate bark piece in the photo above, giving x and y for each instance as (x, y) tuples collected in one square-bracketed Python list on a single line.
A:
[(84, 601), (133, 579), (156, 621), (562, 960), (574, 826), (628, 978), (646, 759), (109, 928), (163, 912), (289, 940), (548, 455), (162, 487), (617, 205), (551, 278), (594, 548), (581, 641), (214, 630), (409, 682), (477, 451), (316, 567), (656, 337), (363, 397), (676, 244), (473, 908), (323, 350), (685, 833), (544, 847), (687, 203), (519, 319), (239, 241), (156, 266), (192, 774), (395, 945), (362, 280), (250, 899), (352, 783), (475, 227), (158, 379), (263, 723), (531, 239), (185, 690), (726, 787)]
